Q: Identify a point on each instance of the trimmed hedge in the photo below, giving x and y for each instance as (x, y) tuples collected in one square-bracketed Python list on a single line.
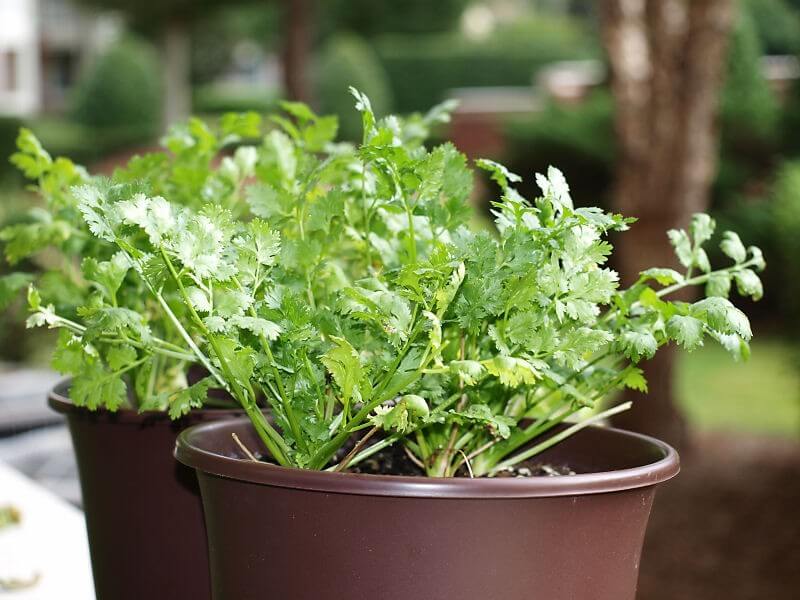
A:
[(348, 60), (422, 68), (121, 90)]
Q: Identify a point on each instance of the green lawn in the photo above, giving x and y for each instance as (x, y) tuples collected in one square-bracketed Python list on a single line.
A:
[(761, 395)]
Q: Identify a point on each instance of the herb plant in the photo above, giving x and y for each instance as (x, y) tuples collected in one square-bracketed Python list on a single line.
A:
[(344, 288)]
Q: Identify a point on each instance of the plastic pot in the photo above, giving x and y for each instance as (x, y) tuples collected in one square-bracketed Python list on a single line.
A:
[(144, 516), (279, 534)]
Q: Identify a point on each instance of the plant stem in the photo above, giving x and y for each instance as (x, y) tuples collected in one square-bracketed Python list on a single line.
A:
[(551, 441), (356, 449)]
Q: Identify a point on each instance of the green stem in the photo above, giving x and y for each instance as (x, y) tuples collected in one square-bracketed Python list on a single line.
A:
[(271, 438), (552, 441)]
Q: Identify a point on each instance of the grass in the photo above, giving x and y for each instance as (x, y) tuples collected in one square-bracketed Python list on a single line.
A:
[(761, 395)]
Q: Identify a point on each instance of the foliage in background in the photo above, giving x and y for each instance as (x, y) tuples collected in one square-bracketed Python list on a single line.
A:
[(121, 92), (423, 68), (749, 115), (350, 58), (216, 34), (777, 24), (580, 139), (9, 126), (369, 18)]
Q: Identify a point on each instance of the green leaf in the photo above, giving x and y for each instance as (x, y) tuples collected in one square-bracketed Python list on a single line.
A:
[(107, 275), (749, 284), (683, 246), (31, 158), (408, 411), (344, 365), (663, 276), (119, 357), (364, 106), (499, 425), (721, 315), (634, 379), (719, 284), (702, 228), (686, 330), (512, 371), (732, 246), (468, 371), (11, 285), (192, 397), (259, 326), (498, 172), (638, 344)]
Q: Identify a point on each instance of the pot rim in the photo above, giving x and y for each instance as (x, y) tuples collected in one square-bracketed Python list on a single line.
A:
[(58, 399), (189, 451)]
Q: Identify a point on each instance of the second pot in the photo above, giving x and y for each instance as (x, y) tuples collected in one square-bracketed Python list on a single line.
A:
[(144, 517), (279, 534)]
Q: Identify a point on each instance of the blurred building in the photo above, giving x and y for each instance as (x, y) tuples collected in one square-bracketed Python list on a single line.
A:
[(43, 46)]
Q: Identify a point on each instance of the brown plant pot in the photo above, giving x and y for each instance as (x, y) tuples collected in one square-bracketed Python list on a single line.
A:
[(278, 533), (144, 516)]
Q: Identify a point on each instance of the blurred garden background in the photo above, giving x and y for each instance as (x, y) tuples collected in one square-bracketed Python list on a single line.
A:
[(538, 82)]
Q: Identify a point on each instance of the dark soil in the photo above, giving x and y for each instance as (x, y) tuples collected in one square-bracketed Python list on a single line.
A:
[(395, 461), (728, 527)]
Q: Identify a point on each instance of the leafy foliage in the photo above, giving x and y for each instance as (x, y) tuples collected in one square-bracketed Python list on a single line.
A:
[(341, 286)]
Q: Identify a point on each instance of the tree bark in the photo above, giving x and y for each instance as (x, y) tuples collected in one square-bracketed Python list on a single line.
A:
[(667, 60), (297, 49), (176, 51)]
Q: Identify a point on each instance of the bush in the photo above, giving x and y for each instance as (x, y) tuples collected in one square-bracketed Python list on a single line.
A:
[(577, 139), (786, 218), (348, 60), (121, 91), (777, 24), (749, 115), (9, 127), (422, 68), (218, 99)]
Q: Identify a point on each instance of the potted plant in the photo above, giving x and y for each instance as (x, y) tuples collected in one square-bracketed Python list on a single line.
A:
[(127, 399), (392, 342)]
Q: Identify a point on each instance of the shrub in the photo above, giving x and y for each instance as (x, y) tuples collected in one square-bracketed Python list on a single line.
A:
[(422, 68), (749, 115), (350, 58), (121, 91), (9, 126), (578, 138)]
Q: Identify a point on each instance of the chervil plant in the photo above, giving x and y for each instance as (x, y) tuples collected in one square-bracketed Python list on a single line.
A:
[(344, 288)]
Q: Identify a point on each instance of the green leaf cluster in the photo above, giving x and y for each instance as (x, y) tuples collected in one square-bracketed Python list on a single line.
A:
[(341, 288)]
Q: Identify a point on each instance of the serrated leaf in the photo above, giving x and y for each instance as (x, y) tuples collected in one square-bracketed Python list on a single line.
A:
[(686, 330), (635, 380), (193, 397), (408, 411), (344, 365), (638, 344), (702, 228), (683, 246), (512, 371), (119, 357)]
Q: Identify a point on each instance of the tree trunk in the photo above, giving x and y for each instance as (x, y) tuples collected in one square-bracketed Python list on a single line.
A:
[(297, 50), (176, 54), (667, 61)]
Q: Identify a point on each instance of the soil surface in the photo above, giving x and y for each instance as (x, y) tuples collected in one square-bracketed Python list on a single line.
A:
[(728, 527), (395, 461)]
